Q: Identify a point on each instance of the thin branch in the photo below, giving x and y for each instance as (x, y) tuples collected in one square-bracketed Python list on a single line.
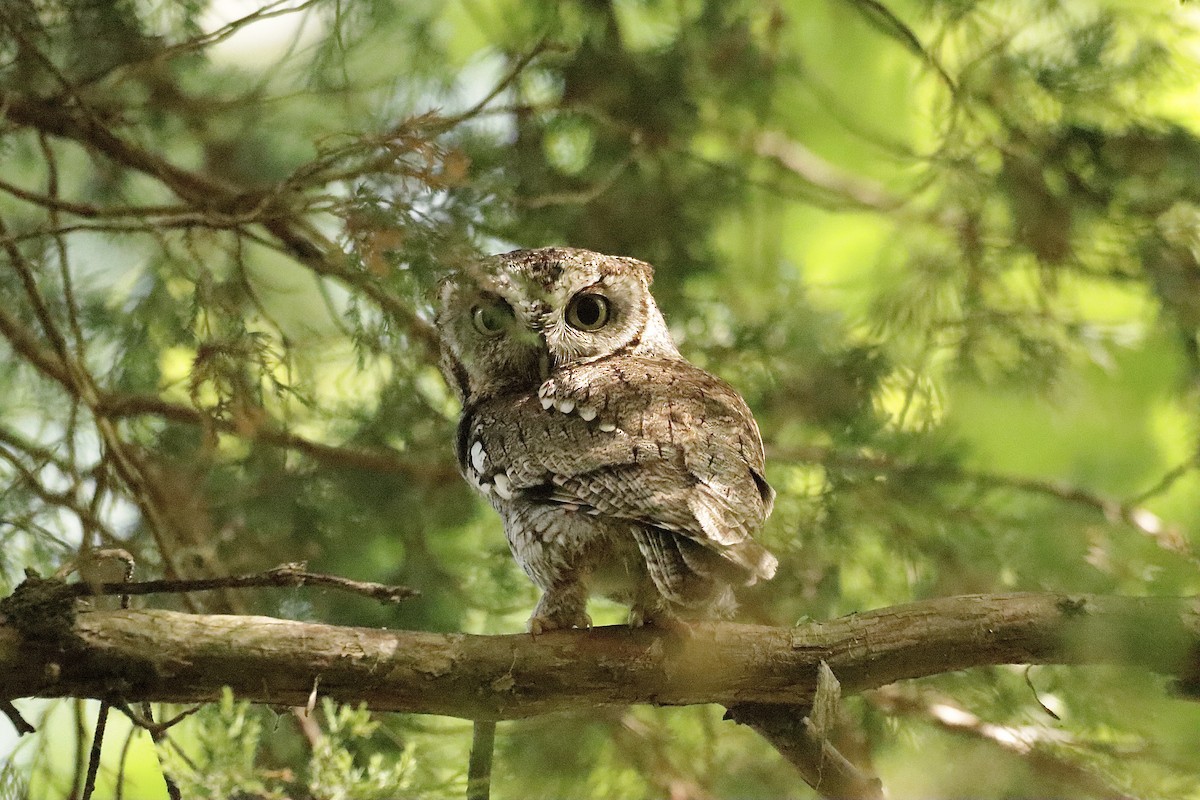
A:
[(1165, 483), (67, 499), (1031, 744), (285, 576), (28, 345), (145, 721), (115, 406), (64, 264), (14, 716), (270, 209), (74, 376), (583, 196), (158, 732), (35, 591), (887, 21), (25, 271), (818, 172), (89, 211), (93, 768), (1142, 520), (77, 774), (479, 767), (268, 11), (513, 73), (120, 406)]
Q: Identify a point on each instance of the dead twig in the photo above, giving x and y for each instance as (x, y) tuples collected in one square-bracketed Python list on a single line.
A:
[(14, 716), (285, 575)]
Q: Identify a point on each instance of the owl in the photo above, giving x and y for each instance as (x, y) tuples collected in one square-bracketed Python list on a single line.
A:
[(618, 468)]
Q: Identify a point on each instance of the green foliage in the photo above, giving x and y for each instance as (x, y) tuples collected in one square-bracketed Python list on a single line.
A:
[(224, 740), (332, 772), (12, 784), (949, 251), (215, 754)]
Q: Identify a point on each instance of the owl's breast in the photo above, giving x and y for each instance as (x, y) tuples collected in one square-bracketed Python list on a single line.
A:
[(549, 540)]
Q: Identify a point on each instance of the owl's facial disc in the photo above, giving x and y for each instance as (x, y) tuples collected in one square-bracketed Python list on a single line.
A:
[(510, 321), (595, 313)]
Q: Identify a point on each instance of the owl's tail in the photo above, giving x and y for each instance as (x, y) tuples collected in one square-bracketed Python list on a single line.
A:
[(758, 562), (728, 533)]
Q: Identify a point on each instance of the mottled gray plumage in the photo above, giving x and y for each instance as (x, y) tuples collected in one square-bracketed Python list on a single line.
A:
[(617, 467)]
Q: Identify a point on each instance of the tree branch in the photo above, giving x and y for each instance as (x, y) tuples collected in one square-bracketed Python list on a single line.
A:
[(820, 764), (270, 208), (113, 405), (119, 406), (1130, 512), (174, 657), (1033, 744)]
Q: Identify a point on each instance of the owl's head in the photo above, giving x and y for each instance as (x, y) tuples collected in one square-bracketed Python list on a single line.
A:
[(508, 321)]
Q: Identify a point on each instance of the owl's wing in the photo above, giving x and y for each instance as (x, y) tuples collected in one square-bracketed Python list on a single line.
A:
[(654, 441)]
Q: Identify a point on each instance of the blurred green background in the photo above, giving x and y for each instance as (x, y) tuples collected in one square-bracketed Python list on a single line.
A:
[(948, 250)]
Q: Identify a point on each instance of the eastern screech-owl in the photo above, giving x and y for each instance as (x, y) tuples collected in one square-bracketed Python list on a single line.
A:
[(618, 468)]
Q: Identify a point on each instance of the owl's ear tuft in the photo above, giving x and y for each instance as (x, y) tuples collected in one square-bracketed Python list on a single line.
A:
[(646, 269)]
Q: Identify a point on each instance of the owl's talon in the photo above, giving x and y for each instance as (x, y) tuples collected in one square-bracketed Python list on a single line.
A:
[(538, 624)]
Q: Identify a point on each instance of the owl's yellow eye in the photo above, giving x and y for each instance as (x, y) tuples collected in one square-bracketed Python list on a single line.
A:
[(588, 311), (492, 318)]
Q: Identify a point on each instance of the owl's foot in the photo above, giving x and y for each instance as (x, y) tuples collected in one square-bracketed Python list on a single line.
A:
[(539, 624), (560, 608), (660, 619)]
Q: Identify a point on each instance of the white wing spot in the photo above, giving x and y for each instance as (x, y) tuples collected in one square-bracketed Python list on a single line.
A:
[(566, 406), (547, 402), (478, 457), (608, 426), (587, 413), (503, 486)]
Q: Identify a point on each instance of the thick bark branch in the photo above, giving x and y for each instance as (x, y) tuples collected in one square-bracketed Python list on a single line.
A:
[(169, 656)]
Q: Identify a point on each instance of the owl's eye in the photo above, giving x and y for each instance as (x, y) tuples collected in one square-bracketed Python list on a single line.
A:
[(492, 318), (588, 311)]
